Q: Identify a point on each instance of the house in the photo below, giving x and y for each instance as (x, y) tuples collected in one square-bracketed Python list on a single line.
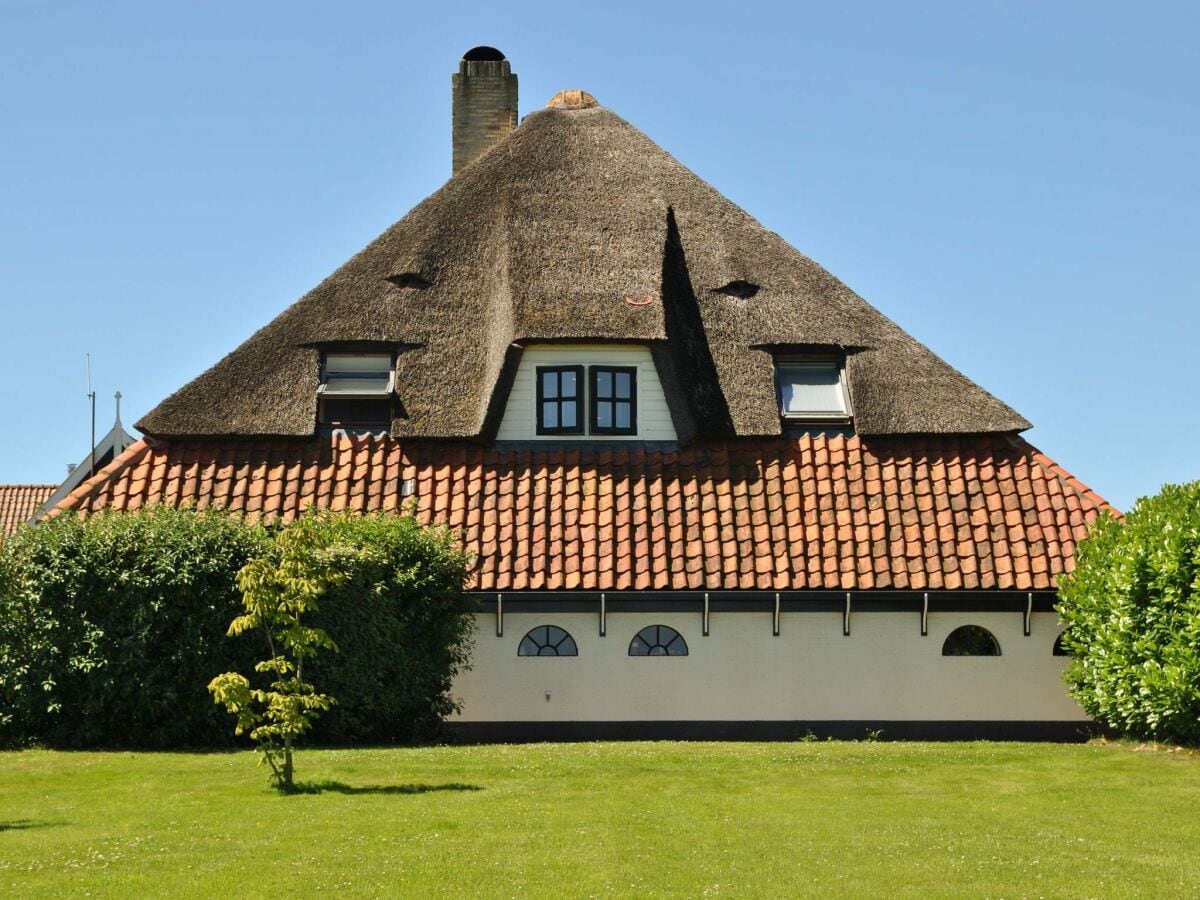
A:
[(709, 490), (108, 448), (23, 503), (19, 503)]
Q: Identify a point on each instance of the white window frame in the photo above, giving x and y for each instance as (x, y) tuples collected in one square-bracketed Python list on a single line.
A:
[(841, 417), (368, 392)]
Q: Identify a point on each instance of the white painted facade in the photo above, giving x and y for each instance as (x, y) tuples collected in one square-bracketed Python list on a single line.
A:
[(883, 671), (520, 413)]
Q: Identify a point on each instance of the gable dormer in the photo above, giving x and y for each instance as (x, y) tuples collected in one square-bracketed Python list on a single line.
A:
[(586, 392)]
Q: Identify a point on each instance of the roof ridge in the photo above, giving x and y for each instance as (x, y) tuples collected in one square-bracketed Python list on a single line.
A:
[(127, 457), (26, 484)]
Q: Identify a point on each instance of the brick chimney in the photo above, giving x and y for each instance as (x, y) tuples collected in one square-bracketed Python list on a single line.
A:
[(485, 104)]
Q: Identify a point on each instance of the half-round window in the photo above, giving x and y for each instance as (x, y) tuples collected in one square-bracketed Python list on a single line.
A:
[(658, 640), (547, 640), (1059, 649), (970, 640)]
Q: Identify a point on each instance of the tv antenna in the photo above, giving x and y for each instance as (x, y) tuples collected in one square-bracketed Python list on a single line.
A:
[(92, 397)]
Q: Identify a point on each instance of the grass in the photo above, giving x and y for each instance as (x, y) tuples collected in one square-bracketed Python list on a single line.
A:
[(664, 819)]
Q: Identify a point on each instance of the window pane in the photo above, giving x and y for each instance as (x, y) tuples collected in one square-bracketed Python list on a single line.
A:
[(603, 383), (549, 385), (376, 383), (624, 385), (568, 414), (527, 648), (604, 414), (550, 415), (568, 384), (356, 362), (622, 415), (811, 388)]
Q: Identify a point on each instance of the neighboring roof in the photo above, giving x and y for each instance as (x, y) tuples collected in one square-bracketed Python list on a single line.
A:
[(19, 502), (107, 449), (816, 512), (563, 231)]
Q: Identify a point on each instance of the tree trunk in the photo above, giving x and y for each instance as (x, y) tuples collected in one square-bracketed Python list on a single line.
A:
[(287, 765)]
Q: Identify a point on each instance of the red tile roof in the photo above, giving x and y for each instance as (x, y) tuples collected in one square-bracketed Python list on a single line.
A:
[(816, 512), (18, 503)]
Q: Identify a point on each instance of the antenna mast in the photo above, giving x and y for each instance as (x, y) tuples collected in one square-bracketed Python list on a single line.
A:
[(92, 397)]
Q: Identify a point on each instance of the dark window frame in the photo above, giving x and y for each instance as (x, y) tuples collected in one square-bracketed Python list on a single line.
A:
[(1059, 649), (658, 641), (564, 646), (542, 428), (371, 411), (594, 400), (961, 641)]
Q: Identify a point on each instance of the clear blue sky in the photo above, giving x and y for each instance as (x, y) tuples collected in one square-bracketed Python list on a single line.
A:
[(1015, 183)]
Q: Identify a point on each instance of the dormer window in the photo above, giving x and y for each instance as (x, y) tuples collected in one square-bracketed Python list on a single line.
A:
[(559, 400), (597, 392), (356, 390), (812, 390), (614, 399)]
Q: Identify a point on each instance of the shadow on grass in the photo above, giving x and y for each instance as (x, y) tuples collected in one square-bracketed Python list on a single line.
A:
[(25, 825), (338, 787)]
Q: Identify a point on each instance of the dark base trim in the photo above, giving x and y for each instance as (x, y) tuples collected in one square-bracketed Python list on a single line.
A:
[(531, 732)]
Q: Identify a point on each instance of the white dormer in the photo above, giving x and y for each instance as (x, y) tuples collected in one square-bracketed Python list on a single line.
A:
[(588, 392)]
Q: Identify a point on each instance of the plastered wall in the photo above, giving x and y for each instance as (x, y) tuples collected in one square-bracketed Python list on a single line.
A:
[(885, 670)]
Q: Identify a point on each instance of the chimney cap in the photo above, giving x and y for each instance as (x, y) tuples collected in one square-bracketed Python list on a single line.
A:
[(483, 53), (573, 99)]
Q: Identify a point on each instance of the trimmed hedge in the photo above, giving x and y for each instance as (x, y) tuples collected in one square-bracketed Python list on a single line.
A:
[(401, 627), (1132, 609), (111, 628)]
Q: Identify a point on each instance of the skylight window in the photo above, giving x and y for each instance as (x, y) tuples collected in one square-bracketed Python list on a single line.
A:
[(812, 390), (357, 376), (356, 391)]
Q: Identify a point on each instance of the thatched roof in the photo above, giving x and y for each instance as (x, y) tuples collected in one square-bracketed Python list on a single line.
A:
[(547, 237)]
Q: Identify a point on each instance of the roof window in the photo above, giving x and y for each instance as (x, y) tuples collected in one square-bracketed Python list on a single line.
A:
[(356, 390), (812, 390)]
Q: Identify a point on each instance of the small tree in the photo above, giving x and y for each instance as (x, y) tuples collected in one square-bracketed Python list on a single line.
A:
[(1132, 607), (279, 592)]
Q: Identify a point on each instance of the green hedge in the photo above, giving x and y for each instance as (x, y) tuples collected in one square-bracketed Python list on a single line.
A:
[(111, 628), (1132, 607), (402, 632)]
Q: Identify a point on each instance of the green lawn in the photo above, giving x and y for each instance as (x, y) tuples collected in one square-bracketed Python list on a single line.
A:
[(908, 819)]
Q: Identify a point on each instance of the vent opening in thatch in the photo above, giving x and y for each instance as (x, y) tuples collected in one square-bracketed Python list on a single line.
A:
[(743, 290), (414, 280)]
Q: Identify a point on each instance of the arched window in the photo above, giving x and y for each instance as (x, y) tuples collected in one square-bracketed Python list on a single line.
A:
[(658, 640), (547, 640), (1059, 649), (970, 640)]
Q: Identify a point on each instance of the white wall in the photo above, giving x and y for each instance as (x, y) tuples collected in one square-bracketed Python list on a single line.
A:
[(884, 670), (520, 413)]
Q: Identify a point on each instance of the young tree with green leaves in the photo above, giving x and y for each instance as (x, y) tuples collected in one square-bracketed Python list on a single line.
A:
[(1132, 610), (280, 592)]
